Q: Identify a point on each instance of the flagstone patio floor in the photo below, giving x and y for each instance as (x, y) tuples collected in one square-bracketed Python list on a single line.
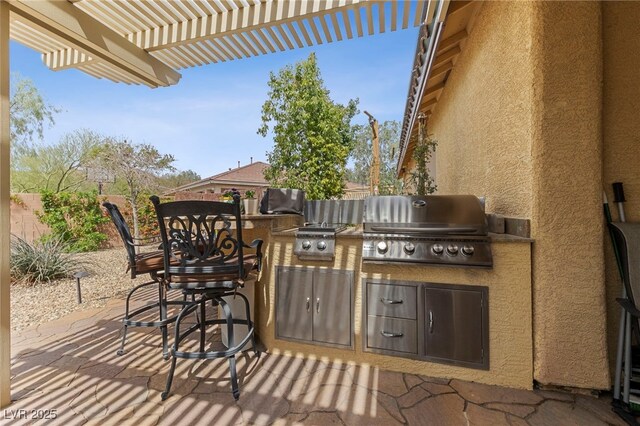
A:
[(68, 369)]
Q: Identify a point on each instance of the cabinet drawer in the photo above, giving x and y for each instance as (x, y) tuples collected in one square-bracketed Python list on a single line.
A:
[(392, 334), (389, 300)]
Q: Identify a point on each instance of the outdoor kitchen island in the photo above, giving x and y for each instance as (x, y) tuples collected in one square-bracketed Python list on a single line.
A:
[(506, 304)]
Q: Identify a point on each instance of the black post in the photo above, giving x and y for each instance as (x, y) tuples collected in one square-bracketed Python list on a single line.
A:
[(78, 275), (79, 290)]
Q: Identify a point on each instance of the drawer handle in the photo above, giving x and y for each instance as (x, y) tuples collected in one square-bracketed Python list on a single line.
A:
[(430, 322), (308, 304), (390, 301), (391, 334)]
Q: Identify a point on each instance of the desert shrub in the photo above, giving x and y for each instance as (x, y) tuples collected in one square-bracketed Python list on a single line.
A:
[(74, 218), (42, 261)]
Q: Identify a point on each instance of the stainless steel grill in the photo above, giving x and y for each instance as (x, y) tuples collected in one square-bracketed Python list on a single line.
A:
[(437, 229)]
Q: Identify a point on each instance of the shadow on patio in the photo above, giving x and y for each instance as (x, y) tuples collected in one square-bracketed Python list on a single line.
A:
[(71, 366)]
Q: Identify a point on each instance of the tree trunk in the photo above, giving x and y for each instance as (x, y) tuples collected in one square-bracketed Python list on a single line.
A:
[(134, 214)]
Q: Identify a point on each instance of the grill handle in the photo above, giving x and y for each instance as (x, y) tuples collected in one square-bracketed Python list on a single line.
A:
[(422, 230), (419, 203), (391, 334), (390, 301)]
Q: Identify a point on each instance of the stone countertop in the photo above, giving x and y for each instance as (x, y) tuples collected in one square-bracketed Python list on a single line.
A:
[(272, 222), (268, 216), (356, 232), (508, 238)]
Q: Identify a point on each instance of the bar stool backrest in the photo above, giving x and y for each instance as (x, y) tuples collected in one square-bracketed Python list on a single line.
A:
[(199, 240), (125, 234)]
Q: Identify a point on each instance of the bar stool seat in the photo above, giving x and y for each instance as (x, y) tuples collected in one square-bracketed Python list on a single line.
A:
[(204, 258)]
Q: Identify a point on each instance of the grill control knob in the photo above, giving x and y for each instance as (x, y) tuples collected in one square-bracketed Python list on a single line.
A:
[(409, 248), (321, 245), (382, 247), (467, 250), (306, 244), (437, 249), (452, 249)]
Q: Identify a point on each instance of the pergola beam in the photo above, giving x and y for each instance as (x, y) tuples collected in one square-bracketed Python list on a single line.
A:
[(79, 30), (5, 211)]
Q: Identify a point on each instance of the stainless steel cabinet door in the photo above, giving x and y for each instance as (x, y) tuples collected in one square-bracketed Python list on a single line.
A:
[(294, 303), (332, 292), (456, 328)]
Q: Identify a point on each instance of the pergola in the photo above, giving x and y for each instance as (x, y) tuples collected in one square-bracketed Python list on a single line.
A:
[(146, 42)]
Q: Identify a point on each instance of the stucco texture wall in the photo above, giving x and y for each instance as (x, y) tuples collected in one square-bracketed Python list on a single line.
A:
[(509, 284), (520, 122), (483, 117), (621, 130), (568, 271)]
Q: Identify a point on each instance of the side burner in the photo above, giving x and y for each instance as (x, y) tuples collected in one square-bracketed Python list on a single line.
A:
[(317, 241)]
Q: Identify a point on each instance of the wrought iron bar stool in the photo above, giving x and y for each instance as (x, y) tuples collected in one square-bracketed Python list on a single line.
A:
[(204, 259), (151, 263)]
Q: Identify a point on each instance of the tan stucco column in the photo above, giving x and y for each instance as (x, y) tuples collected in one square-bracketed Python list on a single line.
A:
[(568, 273), (5, 229)]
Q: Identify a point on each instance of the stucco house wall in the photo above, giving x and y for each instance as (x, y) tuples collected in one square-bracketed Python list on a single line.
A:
[(519, 121), (483, 117)]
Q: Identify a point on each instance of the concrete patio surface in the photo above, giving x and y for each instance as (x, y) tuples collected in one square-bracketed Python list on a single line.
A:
[(70, 366)]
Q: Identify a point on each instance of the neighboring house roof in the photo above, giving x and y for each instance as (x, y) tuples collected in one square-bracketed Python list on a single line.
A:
[(353, 186), (251, 174)]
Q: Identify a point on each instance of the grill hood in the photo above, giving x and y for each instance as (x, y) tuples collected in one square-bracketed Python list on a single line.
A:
[(431, 214)]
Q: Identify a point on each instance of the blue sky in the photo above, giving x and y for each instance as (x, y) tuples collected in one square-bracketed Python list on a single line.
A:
[(209, 120)]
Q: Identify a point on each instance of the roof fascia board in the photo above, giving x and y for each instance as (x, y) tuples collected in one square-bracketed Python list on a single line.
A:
[(435, 26)]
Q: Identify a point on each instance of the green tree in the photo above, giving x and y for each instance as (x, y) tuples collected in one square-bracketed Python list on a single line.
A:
[(174, 180), (29, 112), (388, 138), (312, 134), (139, 167), (59, 167)]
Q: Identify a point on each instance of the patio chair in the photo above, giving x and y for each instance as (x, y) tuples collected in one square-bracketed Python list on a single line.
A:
[(627, 241), (204, 259), (151, 263)]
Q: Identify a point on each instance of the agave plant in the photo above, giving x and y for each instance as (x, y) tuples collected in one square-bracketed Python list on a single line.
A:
[(42, 261)]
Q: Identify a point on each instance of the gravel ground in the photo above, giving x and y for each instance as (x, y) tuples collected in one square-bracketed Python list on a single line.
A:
[(34, 305)]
